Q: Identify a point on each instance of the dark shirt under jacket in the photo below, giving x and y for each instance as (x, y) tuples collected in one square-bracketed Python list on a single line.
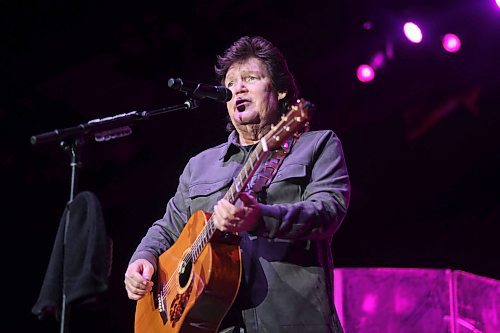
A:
[(287, 261)]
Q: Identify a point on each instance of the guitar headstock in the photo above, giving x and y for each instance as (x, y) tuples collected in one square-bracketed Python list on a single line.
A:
[(296, 120)]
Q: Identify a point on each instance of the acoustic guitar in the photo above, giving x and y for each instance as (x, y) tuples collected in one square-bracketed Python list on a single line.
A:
[(199, 275)]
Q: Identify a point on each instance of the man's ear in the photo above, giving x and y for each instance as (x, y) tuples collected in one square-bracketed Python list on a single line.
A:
[(282, 95)]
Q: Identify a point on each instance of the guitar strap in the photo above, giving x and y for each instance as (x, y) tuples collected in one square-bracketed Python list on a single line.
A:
[(266, 173)]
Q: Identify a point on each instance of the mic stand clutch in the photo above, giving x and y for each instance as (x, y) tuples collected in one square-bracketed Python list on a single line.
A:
[(72, 138)]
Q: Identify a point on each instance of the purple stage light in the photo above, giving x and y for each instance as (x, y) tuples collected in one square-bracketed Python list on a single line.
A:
[(498, 3), (377, 61), (412, 32), (365, 73), (452, 43)]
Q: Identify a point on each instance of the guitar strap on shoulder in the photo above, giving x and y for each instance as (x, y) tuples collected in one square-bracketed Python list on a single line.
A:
[(266, 173)]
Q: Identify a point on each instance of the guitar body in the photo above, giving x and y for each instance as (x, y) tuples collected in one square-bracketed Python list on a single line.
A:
[(195, 296)]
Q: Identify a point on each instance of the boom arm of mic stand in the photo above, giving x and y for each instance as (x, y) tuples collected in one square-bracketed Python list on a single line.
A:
[(108, 123)]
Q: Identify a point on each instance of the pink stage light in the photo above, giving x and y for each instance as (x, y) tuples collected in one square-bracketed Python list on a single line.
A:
[(412, 32), (365, 73), (452, 43), (498, 3), (377, 61)]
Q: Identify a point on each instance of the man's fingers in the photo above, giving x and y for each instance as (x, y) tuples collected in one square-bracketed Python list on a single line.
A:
[(137, 290), (231, 218), (247, 199), (225, 210), (148, 273)]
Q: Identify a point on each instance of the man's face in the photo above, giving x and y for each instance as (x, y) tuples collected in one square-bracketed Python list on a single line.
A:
[(254, 100)]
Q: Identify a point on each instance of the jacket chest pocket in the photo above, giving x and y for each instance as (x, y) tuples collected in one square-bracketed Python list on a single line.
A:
[(204, 196), (289, 184)]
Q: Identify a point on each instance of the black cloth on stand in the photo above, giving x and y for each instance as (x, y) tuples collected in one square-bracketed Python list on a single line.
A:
[(84, 264)]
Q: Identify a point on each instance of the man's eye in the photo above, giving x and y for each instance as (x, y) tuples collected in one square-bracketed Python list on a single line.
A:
[(230, 84), (251, 78)]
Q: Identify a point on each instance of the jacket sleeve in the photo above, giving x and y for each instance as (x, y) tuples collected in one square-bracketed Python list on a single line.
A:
[(165, 231), (323, 205)]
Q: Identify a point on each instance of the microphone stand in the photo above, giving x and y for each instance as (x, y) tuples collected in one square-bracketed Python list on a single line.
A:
[(72, 148), (71, 138)]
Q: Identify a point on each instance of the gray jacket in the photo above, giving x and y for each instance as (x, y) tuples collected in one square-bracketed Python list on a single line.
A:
[(287, 261)]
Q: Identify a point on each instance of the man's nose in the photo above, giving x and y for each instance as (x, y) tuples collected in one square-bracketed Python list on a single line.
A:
[(240, 86)]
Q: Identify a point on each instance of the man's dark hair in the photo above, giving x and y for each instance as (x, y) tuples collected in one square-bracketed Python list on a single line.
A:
[(277, 66)]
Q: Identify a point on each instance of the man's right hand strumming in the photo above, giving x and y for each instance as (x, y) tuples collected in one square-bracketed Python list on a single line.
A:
[(138, 279)]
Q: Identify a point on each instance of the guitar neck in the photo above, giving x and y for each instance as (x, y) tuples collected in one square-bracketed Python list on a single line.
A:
[(238, 185), (246, 173)]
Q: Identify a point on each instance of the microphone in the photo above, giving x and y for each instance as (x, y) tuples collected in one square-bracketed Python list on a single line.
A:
[(201, 90)]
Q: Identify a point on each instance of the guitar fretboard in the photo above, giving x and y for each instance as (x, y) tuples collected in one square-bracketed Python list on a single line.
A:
[(239, 183)]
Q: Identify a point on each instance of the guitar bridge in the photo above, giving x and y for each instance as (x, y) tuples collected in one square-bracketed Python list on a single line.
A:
[(161, 308)]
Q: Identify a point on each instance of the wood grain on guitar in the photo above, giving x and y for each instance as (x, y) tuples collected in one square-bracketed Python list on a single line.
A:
[(199, 275)]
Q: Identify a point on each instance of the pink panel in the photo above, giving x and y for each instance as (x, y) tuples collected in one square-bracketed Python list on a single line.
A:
[(390, 300), (478, 303), (415, 300)]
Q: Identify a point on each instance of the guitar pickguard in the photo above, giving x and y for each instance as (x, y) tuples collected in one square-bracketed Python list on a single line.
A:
[(178, 305)]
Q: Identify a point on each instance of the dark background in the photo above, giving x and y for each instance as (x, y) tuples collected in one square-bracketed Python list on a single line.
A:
[(422, 141)]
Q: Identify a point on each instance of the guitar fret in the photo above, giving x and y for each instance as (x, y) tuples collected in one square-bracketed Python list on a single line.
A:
[(194, 251), (202, 239), (247, 172), (227, 196), (205, 239), (205, 235), (242, 180), (236, 187)]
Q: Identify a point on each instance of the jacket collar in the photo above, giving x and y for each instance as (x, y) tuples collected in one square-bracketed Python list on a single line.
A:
[(232, 147)]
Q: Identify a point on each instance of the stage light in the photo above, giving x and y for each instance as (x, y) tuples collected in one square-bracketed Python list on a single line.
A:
[(498, 3), (377, 61), (451, 42), (365, 73), (412, 32), (368, 25)]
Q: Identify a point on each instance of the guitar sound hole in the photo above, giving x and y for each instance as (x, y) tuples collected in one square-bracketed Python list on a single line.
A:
[(184, 272)]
